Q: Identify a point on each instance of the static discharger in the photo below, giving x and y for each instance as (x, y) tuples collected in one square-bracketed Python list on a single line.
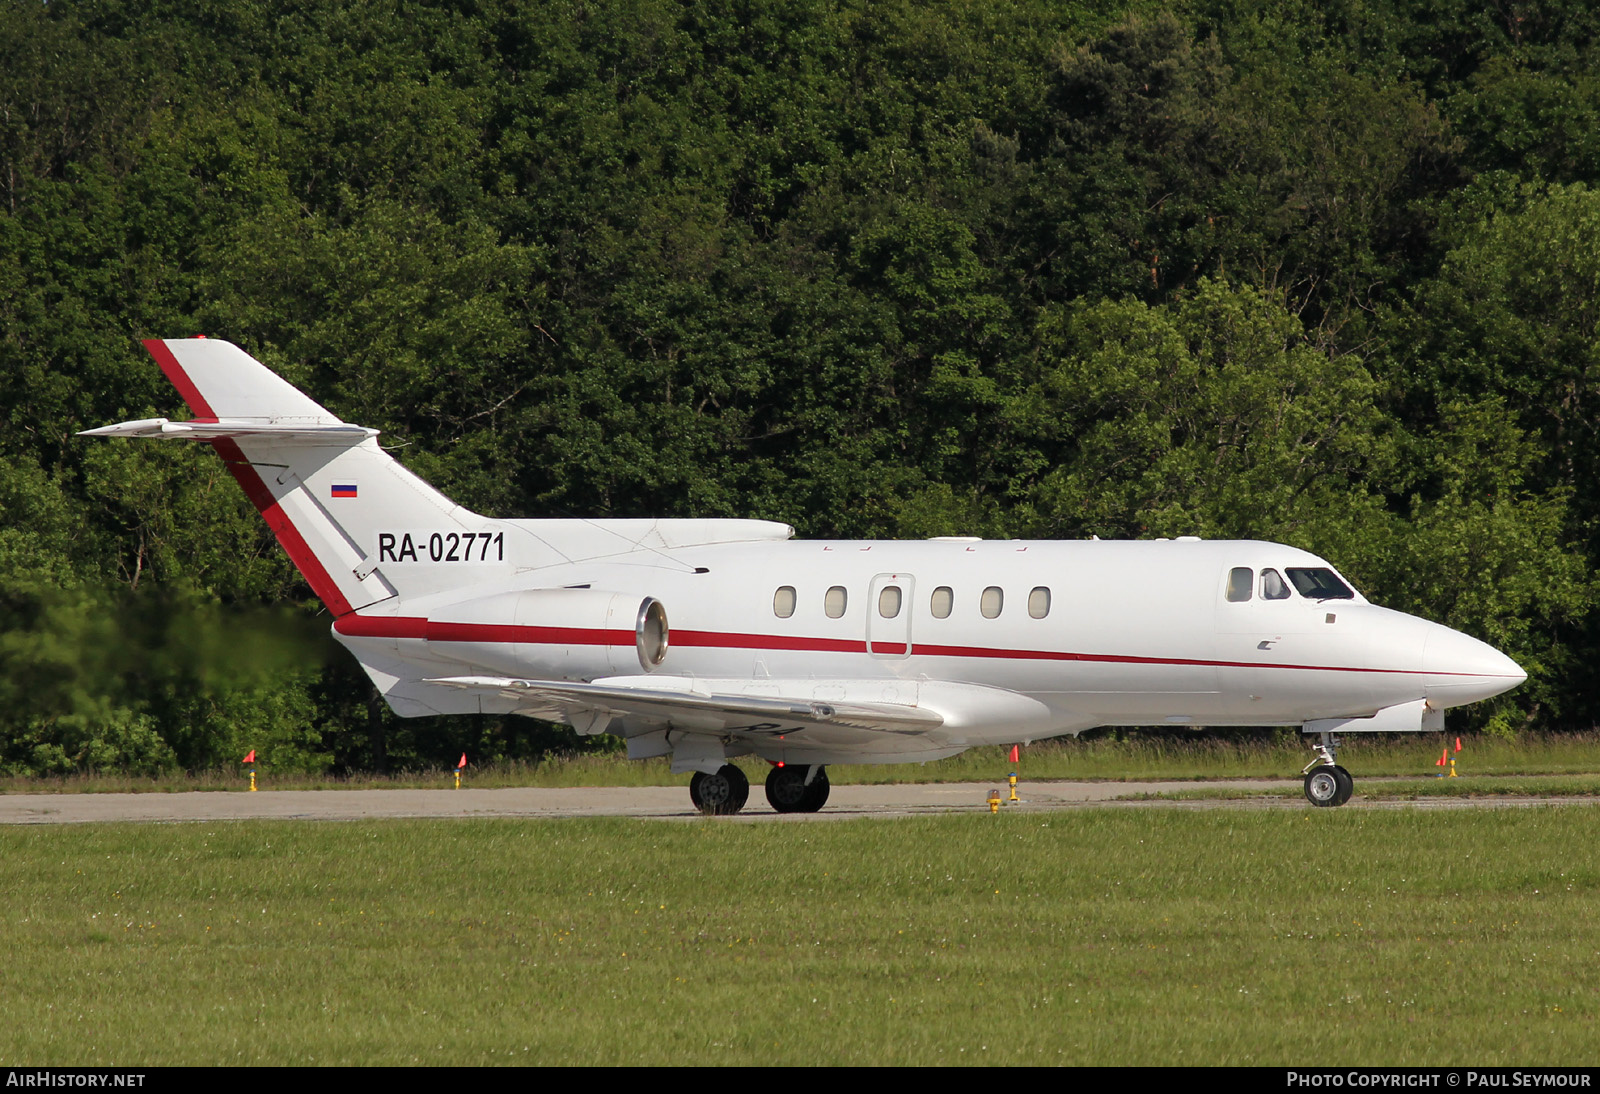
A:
[(250, 762), (459, 766), (1013, 779)]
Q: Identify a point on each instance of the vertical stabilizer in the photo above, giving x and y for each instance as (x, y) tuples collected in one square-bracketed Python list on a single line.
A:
[(217, 379), (359, 526)]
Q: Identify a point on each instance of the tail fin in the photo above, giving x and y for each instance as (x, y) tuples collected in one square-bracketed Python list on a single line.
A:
[(217, 379), (359, 526)]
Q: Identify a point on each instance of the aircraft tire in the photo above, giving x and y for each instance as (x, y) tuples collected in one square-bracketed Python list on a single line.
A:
[(1347, 784), (786, 789), (722, 794), (1324, 787), (817, 793)]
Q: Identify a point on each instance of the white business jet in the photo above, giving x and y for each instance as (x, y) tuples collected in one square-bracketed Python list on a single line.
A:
[(708, 639)]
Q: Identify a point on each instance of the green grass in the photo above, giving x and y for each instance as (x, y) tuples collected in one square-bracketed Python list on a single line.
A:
[(1401, 789), (1091, 937), (1135, 758), (1132, 758)]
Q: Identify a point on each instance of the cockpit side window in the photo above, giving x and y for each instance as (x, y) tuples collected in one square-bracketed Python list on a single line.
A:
[(1319, 583), (1240, 581), (1273, 587)]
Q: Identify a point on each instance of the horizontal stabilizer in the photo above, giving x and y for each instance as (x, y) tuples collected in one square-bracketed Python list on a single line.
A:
[(234, 428), (688, 704)]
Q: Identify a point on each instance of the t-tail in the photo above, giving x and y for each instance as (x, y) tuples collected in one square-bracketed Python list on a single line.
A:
[(340, 505), (400, 565)]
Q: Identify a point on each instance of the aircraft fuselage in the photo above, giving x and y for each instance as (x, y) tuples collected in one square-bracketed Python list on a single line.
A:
[(1083, 634), (706, 639)]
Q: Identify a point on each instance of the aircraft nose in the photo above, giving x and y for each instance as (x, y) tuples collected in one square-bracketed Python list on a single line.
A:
[(1459, 669)]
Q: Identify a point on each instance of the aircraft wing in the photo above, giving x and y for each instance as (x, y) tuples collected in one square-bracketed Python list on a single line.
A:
[(680, 703)]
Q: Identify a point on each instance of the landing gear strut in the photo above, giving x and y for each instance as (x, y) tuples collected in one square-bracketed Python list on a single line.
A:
[(722, 794), (1327, 784), (789, 791)]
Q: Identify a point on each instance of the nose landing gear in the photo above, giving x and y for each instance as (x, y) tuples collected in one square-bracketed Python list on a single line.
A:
[(1327, 784)]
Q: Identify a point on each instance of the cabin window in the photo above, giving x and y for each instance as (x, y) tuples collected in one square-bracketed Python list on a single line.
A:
[(1320, 584), (992, 602), (1039, 602), (835, 601), (1273, 587), (783, 602), (1240, 580), (889, 601), (943, 600)]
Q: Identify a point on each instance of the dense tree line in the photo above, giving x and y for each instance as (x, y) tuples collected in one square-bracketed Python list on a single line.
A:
[(1325, 273)]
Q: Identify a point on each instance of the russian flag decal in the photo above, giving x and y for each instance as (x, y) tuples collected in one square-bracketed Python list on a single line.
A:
[(344, 489)]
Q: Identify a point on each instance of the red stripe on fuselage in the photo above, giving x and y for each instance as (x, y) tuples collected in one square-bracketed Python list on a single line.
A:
[(382, 626), (722, 640), (1127, 659), (539, 636), (417, 627), (412, 626)]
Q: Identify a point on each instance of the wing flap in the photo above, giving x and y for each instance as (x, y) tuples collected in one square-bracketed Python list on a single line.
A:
[(680, 703)]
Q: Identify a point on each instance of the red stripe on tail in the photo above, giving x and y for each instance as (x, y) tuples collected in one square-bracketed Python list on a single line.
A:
[(178, 378), (289, 537)]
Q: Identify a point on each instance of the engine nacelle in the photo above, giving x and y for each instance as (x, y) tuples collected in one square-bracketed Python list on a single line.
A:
[(571, 634)]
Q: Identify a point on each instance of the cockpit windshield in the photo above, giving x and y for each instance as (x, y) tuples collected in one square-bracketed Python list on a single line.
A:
[(1319, 584)]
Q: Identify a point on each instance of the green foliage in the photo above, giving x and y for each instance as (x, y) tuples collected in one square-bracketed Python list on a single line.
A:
[(1212, 416), (1516, 310)]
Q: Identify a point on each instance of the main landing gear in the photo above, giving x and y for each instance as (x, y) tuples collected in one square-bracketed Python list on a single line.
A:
[(722, 794), (789, 789), (1327, 784), (801, 789)]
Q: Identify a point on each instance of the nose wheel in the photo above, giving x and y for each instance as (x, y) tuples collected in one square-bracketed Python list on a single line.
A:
[(1327, 784)]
